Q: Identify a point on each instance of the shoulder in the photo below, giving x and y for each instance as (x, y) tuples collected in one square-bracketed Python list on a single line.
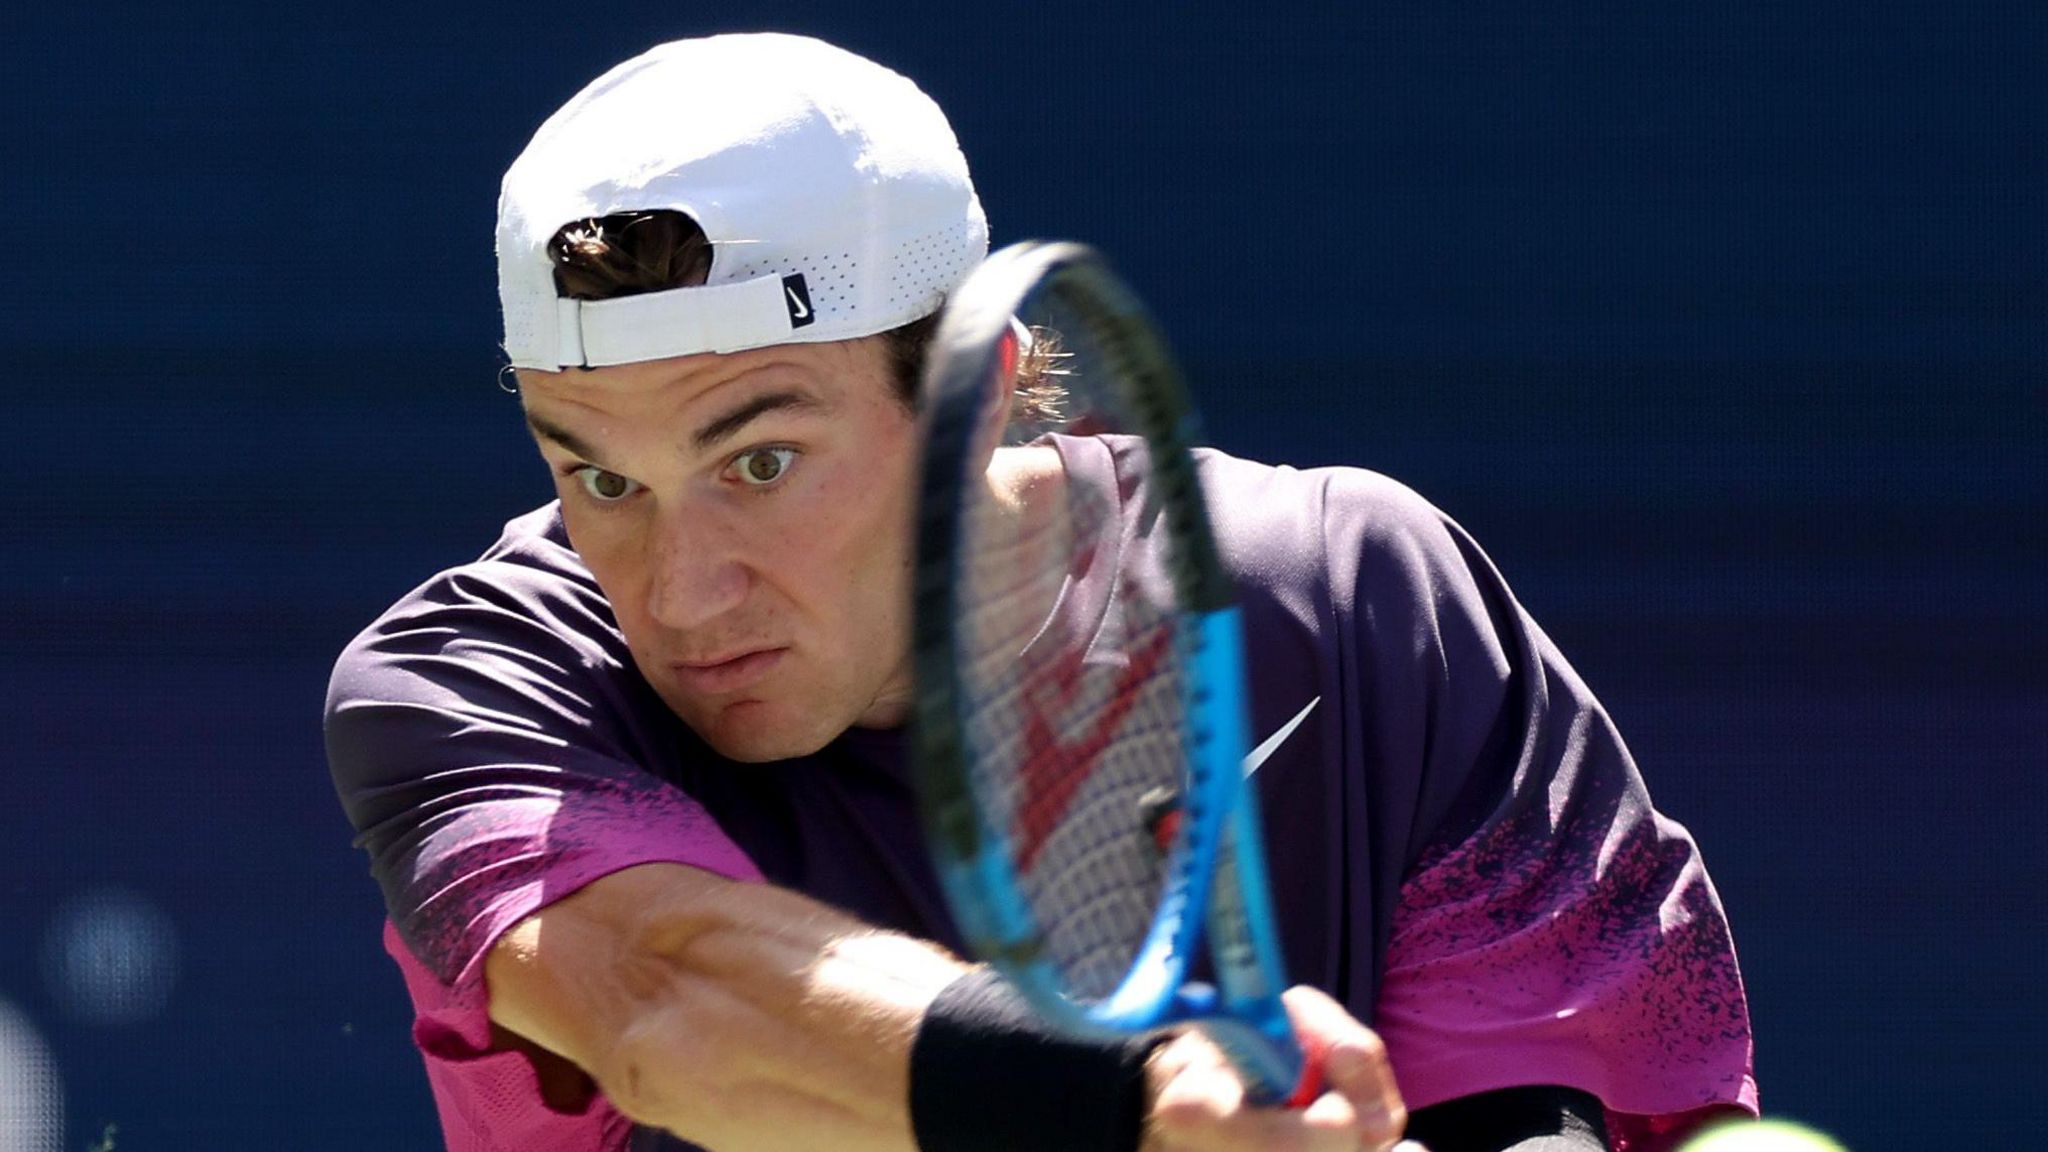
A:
[(1375, 579), (530, 580), (526, 612), (1357, 531), (531, 571), (494, 689)]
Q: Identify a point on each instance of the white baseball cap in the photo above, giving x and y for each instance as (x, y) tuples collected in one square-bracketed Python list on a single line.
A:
[(832, 190)]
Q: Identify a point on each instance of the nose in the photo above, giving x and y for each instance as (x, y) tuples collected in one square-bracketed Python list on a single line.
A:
[(697, 569)]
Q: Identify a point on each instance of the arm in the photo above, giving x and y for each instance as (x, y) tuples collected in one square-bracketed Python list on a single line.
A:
[(734, 1015), (743, 1016)]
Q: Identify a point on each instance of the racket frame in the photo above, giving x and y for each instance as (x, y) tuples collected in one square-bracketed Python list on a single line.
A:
[(1214, 865)]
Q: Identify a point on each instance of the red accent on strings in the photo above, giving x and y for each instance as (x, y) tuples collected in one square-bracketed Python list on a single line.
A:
[(1053, 770), (1165, 830)]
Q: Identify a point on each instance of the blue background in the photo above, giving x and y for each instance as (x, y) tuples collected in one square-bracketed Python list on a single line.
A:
[(1721, 326)]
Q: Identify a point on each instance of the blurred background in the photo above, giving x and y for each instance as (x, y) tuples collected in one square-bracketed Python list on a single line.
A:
[(1720, 326)]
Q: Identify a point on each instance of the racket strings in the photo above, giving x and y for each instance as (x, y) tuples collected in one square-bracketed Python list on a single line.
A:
[(1074, 660)]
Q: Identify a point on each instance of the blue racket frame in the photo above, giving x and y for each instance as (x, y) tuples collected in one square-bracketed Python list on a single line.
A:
[(1215, 868)]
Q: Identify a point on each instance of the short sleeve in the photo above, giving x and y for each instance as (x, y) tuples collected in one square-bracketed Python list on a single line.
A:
[(496, 752), (490, 1100), (1549, 925)]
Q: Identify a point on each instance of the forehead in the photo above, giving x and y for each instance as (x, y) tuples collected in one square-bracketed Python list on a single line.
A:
[(829, 369), (704, 398)]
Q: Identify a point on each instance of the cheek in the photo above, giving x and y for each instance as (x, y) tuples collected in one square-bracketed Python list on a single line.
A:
[(873, 502), (855, 536), (608, 547)]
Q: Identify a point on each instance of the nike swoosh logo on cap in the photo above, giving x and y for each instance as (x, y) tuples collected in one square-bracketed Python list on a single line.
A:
[(797, 310), (1257, 756)]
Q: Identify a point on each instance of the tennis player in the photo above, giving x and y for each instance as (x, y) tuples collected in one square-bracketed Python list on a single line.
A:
[(633, 781)]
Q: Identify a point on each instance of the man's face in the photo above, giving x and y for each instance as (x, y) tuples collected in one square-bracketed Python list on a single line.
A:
[(748, 517)]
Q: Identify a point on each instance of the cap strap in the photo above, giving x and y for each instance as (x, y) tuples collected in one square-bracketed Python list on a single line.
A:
[(678, 322)]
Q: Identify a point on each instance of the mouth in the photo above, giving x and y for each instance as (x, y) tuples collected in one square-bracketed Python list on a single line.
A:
[(728, 674)]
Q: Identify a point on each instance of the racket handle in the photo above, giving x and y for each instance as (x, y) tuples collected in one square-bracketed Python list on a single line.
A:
[(1315, 1052)]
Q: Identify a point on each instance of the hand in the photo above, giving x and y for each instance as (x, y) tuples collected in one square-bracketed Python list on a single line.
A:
[(1199, 1105)]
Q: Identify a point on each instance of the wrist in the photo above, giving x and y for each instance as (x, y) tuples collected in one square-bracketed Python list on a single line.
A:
[(988, 1075)]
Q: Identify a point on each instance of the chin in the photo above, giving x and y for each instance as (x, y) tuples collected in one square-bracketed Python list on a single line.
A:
[(751, 732)]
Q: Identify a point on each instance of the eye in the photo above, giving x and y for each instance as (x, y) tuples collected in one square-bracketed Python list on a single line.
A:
[(760, 467), (605, 487)]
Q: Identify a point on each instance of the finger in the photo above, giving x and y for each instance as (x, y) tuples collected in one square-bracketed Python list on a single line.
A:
[(1204, 1108), (1330, 1124), (1199, 1086), (1326, 1126), (1191, 1090), (1355, 1064), (1357, 1068)]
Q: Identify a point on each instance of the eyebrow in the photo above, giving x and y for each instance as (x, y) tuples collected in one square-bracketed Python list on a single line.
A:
[(723, 428), (548, 429), (727, 426)]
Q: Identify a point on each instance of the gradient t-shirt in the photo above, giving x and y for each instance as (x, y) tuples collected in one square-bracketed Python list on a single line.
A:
[(1460, 846)]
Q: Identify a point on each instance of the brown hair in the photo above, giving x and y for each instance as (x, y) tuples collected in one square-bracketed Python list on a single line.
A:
[(628, 253)]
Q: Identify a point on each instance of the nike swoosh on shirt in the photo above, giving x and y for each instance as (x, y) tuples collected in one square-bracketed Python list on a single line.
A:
[(1257, 756)]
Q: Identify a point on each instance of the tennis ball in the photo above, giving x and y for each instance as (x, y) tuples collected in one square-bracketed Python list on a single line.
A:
[(1763, 1136)]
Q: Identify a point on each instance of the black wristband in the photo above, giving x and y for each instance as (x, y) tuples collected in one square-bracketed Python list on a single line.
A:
[(987, 1075)]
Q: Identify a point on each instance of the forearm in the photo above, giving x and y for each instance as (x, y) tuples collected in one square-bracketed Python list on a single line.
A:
[(745, 1018), (736, 1016)]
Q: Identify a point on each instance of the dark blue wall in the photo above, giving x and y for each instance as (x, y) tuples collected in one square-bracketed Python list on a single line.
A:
[(1720, 325)]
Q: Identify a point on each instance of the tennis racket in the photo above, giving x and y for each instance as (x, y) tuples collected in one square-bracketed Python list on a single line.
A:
[(1081, 710)]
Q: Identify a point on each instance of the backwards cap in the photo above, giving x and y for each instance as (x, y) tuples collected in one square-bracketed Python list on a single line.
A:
[(832, 190)]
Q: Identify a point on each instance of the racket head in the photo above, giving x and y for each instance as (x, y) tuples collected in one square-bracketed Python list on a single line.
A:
[(1067, 654)]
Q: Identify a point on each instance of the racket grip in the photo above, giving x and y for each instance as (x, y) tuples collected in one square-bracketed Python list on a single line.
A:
[(1315, 1052)]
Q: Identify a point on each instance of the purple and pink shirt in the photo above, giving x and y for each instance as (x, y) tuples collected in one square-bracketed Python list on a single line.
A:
[(1461, 848)]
